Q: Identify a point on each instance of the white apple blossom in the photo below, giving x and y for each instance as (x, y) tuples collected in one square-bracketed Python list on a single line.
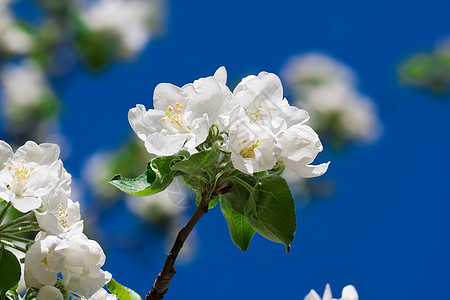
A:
[(264, 129), (348, 293), (49, 292), (73, 255), (30, 175), (58, 216), (101, 294), (253, 147), (44, 260), (300, 146), (133, 21), (181, 116)]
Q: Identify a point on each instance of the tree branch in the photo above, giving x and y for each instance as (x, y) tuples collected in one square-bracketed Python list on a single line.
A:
[(164, 278)]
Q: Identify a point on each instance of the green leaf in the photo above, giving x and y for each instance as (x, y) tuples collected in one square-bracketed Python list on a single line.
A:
[(240, 230), (271, 210), (199, 163), (157, 178), (241, 192), (9, 271), (122, 292)]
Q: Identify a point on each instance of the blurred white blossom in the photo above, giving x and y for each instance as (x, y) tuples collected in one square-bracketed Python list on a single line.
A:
[(327, 89), (133, 21), (13, 39), (348, 293), (25, 91)]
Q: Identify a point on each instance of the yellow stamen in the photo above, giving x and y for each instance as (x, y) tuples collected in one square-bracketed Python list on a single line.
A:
[(249, 152)]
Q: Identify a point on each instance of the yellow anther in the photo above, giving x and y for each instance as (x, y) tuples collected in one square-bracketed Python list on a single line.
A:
[(175, 118), (8, 166)]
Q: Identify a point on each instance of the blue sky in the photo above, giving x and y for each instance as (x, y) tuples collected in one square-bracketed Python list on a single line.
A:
[(386, 230)]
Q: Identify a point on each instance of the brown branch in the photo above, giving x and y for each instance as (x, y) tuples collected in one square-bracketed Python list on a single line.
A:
[(164, 278)]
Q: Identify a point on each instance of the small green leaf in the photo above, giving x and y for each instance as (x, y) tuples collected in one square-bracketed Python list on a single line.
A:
[(240, 230), (199, 163), (122, 292), (213, 202), (271, 210), (9, 271), (157, 178)]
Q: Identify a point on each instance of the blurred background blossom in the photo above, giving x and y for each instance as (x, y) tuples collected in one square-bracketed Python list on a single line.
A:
[(328, 90)]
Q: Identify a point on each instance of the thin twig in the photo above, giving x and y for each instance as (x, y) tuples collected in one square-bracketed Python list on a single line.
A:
[(164, 278)]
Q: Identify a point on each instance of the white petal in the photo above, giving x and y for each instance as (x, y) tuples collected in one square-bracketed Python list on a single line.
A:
[(206, 95), (6, 152), (307, 171), (349, 293), (166, 95), (43, 154), (312, 296), (160, 144), (25, 204), (327, 293), (48, 222), (258, 89), (49, 292), (292, 114), (199, 132), (221, 75), (145, 122)]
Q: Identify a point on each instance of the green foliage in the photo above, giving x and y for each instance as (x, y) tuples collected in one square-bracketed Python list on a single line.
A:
[(9, 271), (156, 178), (261, 202), (199, 163), (240, 230), (428, 70), (271, 211), (122, 292), (267, 204)]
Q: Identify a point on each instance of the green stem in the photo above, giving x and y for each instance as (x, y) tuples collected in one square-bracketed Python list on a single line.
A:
[(27, 228), (243, 183), (16, 221), (14, 238), (5, 211), (14, 246)]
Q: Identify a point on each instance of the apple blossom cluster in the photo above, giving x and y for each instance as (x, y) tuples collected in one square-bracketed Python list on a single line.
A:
[(259, 127), (61, 261), (327, 89), (348, 293)]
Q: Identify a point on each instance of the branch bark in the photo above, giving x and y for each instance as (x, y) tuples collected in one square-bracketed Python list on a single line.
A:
[(164, 278)]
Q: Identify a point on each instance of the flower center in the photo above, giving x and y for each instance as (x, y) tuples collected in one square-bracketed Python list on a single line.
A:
[(253, 115), (249, 151), (175, 117), (61, 215), (20, 175)]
